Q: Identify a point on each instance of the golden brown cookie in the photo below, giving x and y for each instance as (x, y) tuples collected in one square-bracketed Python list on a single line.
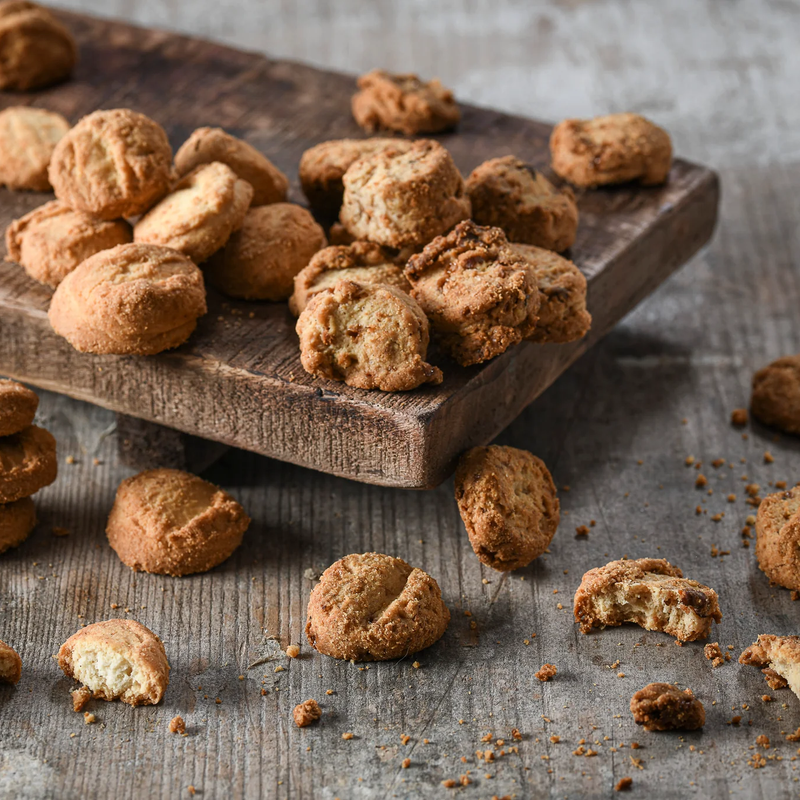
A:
[(649, 592), (372, 336), (373, 607), (17, 520), (112, 164), (134, 299), (305, 713), (776, 394), (512, 195), (18, 406), (27, 463), (10, 664), (261, 259), (28, 137), (509, 505), (403, 196), (50, 241), (174, 523), (117, 659), (403, 103), (200, 213), (778, 538), (613, 149), (478, 293), (206, 145), (778, 657), (664, 707)]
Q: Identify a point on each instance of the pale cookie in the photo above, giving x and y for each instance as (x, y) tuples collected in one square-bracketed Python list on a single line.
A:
[(479, 294), (200, 213), (134, 299), (616, 148), (17, 520), (173, 523), (778, 657), (404, 196), (778, 538), (372, 336), (112, 164), (28, 137), (403, 103), (776, 394), (373, 607), (509, 505), (214, 144), (10, 664), (261, 259), (18, 406), (27, 463), (50, 241), (664, 707), (512, 195), (649, 592), (117, 659)]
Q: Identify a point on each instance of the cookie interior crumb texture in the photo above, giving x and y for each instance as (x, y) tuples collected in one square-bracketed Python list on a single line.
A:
[(778, 657), (664, 707)]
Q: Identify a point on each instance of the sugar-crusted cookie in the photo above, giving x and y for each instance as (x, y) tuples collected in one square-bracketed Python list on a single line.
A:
[(261, 259), (206, 145), (403, 103), (479, 294), (18, 406), (135, 299), (27, 463), (374, 607), (612, 149), (28, 137), (174, 523), (778, 538), (17, 520), (776, 394), (778, 657), (10, 664), (200, 213), (664, 707), (112, 164), (50, 241), (403, 196), (117, 659)]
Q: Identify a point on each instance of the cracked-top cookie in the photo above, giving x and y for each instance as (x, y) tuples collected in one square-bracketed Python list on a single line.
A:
[(28, 137), (664, 707), (778, 537)]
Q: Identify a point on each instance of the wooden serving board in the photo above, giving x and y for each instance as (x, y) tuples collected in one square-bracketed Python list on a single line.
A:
[(238, 380)]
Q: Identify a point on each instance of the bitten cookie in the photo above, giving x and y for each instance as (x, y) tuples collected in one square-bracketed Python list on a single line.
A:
[(509, 505), (776, 394), (50, 241), (17, 520), (403, 196), (479, 294), (10, 664), (403, 103), (373, 607), (18, 406), (512, 195), (778, 657), (206, 145), (613, 149), (778, 538), (174, 523), (28, 137), (664, 707), (135, 299), (117, 659), (261, 259), (649, 592), (200, 213), (112, 164), (27, 463)]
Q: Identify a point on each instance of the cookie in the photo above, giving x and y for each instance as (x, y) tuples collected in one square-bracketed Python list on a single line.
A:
[(616, 148), (200, 213), (18, 406), (207, 145), (562, 314), (50, 241), (374, 607), (664, 707), (508, 502), (173, 523), (10, 664), (135, 299), (117, 659), (261, 259), (403, 103), (403, 196), (305, 713), (112, 164), (510, 194), (649, 592), (478, 293), (28, 137), (17, 520), (778, 538), (35, 49), (776, 394), (778, 657), (371, 336), (27, 463), (362, 262)]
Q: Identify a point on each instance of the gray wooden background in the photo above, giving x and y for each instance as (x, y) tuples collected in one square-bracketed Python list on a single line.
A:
[(722, 77)]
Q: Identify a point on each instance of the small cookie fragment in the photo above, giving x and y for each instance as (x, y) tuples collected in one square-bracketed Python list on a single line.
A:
[(713, 653), (664, 707), (17, 520), (28, 137), (616, 148), (403, 103), (775, 400), (10, 664), (27, 463), (623, 784), (739, 417), (509, 505), (18, 406), (177, 725), (80, 698), (545, 673), (305, 713), (778, 537), (649, 592), (778, 657), (373, 607)]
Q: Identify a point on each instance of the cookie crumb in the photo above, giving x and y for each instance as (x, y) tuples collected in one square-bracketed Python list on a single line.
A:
[(762, 740), (177, 725), (293, 651), (89, 718), (713, 652), (582, 530), (192, 791), (449, 783), (61, 531), (546, 672), (701, 481), (406, 763), (347, 736), (80, 697), (769, 458), (624, 784), (307, 712), (739, 417)]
